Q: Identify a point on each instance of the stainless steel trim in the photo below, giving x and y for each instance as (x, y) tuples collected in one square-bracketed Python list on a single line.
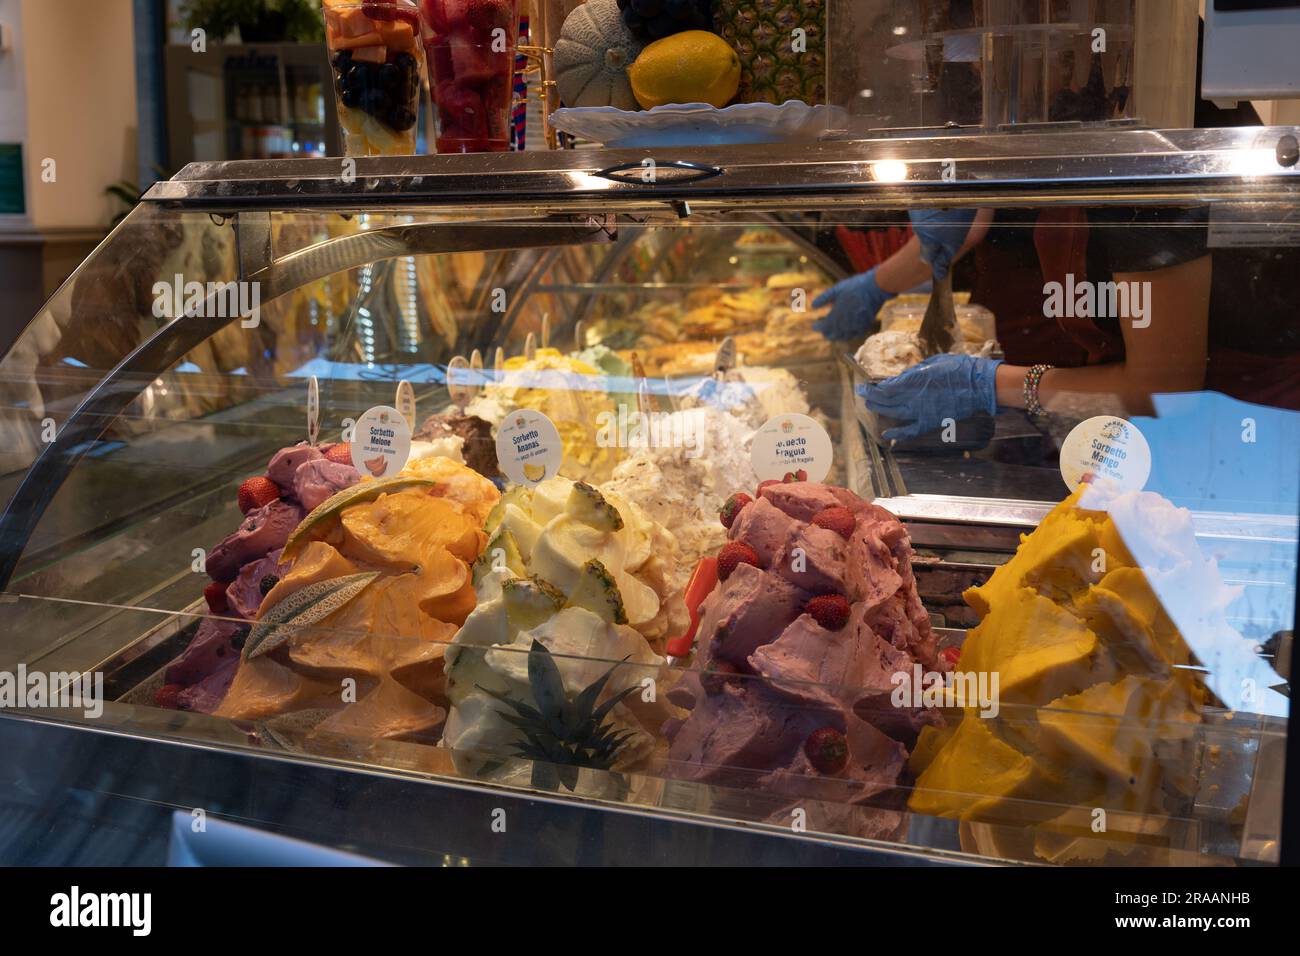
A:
[(988, 511), (1008, 512), (1085, 166), (669, 173)]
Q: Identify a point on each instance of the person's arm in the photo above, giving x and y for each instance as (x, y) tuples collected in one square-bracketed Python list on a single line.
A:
[(855, 302), (906, 270), (1168, 356)]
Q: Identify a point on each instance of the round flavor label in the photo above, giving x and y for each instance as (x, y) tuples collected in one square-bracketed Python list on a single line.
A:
[(1106, 447), (529, 447), (381, 442), (792, 445)]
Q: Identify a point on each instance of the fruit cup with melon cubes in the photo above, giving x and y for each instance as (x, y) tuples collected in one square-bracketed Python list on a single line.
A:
[(470, 49), (375, 55)]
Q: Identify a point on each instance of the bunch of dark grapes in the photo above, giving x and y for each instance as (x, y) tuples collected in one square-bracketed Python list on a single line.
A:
[(387, 91), (655, 19)]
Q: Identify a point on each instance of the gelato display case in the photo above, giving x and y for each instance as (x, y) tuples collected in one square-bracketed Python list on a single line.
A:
[(515, 509)]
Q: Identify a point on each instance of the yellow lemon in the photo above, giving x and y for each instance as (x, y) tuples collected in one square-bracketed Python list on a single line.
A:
[(690, 67)]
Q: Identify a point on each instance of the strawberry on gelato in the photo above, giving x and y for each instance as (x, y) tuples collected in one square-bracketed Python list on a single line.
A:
[(790, 702)]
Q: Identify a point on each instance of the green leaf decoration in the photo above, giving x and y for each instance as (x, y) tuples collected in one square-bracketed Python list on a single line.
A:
[(302, 609), (548, 687), (560, 735)]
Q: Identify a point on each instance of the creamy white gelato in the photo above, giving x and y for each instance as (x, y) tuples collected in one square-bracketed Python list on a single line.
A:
[(549, 535), (684, 488), (887, 354), (451, 447), (891, 353)]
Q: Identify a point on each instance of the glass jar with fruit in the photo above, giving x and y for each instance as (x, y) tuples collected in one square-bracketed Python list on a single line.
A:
[(374, 50), (470, 49)]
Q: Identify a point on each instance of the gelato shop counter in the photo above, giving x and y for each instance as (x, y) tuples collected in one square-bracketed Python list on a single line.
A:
[(509, 510)]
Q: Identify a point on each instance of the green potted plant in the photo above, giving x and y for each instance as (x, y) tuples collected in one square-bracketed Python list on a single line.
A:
[(258, 21)]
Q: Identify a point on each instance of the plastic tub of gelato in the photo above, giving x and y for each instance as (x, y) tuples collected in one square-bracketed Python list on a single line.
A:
[(978, 325), (971, 434)]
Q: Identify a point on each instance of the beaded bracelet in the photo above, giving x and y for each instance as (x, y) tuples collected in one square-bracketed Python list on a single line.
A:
[(1034, 378)]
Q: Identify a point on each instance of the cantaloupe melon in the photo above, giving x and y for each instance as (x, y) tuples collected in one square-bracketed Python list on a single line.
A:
[(592, 56)]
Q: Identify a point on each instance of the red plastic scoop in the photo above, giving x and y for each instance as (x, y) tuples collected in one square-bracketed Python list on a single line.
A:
[(703, 579)]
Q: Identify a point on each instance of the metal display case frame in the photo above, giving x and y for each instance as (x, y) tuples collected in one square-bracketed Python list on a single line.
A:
[(529, 201)]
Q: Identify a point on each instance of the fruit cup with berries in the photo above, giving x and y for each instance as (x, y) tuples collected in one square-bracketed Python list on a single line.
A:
[(374, 51), (470, 48)]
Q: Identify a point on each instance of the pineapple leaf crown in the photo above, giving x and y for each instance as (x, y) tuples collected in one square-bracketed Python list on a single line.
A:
[(561, 735)]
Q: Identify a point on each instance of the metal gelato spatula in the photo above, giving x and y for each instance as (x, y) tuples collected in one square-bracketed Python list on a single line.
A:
[(937, 328), (725, 359)]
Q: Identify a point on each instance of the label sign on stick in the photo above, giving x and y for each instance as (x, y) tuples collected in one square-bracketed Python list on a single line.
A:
[(529, 447), (790, 444), (381, 442), (1106, 447), (405, 401), (313, 411)]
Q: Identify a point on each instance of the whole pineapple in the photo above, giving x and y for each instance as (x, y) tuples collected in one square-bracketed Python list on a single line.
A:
[(762, 32)]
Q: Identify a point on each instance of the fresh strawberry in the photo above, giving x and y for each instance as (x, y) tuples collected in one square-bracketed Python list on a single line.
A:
[(715, 676), (487, 15), (459, 105), (827, 750), (789, 478), (765, 484), (839, 520), (390, 11), (951, 654), (168, 696), (436, 15), (340, 454), (410, 16), (732, 555), (257, 493), (801, 475), (473, 63), (831, 611), (735, 504), (215, 595)]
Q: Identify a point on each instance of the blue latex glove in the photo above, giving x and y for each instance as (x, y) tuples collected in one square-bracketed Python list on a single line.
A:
[(854, 304), (943, 386), (942, 233)]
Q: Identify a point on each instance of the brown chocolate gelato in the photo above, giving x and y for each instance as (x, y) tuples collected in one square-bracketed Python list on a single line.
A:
[(480, 449)]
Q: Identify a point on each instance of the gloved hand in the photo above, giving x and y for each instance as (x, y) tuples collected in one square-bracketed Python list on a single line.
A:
[(943, 386), (942, 233), (854, 304)]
